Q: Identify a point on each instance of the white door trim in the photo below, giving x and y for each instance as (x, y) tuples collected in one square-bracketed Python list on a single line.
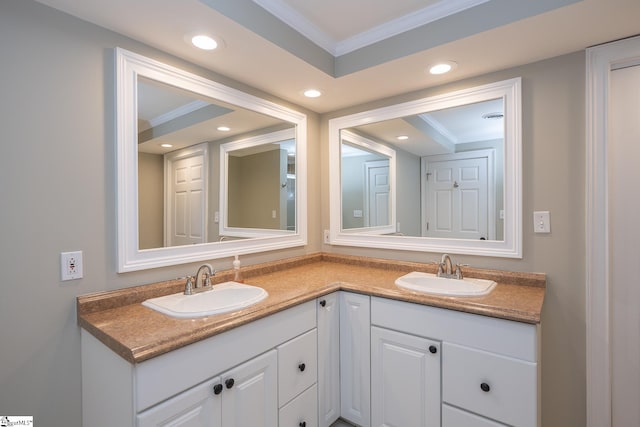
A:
[(600, 61)]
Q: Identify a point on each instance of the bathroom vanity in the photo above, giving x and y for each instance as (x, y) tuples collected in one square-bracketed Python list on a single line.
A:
[(335, 338)]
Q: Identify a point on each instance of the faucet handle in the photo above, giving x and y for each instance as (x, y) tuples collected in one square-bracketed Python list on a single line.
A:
[(459, 271), (188, 287)]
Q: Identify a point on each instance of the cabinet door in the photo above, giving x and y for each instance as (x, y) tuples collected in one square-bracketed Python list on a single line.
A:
[(355, 358), (328, 359), (250, 396), (405, 380), (196, 407)]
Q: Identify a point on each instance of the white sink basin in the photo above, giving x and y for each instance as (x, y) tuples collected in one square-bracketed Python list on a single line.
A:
[(432, 284), (222, 298)]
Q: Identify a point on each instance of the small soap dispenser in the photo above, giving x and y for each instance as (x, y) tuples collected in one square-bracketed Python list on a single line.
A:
[(237, 274)]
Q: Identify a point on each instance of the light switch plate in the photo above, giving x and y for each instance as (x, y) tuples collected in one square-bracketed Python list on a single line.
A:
[(541, 222)]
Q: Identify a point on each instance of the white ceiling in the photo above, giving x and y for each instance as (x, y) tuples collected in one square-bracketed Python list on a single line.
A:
[(269, 60)]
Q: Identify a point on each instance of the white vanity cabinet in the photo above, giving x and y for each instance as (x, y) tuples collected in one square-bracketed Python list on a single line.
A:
[(370, 360), (490, 367), (405, 379), (231, 379)]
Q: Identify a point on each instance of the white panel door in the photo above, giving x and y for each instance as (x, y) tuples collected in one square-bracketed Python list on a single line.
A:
[(457, 198), (328, 359), (186, 197), (378, 193), (405, 380), (624, 234), (355, 360), (250, 397)]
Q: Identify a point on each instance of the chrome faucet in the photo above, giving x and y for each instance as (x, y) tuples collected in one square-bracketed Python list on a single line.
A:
[(445, 268), (203, 278), (201, 281)]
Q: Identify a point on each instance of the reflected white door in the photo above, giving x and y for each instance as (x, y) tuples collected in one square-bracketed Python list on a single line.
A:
[(624, 209), (186, 197), (378, 187), (457, 198)]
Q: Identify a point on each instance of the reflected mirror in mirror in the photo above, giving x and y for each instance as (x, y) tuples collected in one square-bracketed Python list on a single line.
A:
[(457, 180), (260, 190), (449, 173), (179, 135)]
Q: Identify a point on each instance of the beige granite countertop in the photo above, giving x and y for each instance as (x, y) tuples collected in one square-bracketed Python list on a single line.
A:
[(138, 333)]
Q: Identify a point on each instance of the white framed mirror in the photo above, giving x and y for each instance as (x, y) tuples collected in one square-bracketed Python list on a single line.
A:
[(172, 181), (457, 179)]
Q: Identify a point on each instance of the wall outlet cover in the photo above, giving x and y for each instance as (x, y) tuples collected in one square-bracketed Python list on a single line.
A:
[(71, 265)]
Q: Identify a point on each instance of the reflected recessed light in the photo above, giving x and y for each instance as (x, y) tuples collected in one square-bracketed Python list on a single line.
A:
[(224, 128), (493, 116), (204, 42), (402, 137), (312, 93), (442, 67), (166, 145)]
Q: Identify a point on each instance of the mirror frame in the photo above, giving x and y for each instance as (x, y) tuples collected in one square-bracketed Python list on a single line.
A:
[(511, 247), (129, 66)]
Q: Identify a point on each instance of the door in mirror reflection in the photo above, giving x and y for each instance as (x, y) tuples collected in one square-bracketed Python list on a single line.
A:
[(367, 185)]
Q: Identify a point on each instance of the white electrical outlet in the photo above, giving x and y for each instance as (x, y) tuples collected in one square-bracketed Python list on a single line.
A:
[(71, 265), (326, 237)]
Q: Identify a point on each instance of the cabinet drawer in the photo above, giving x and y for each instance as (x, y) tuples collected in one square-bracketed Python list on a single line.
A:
[(301, 411), (199, 406), (297, 366), (453, 417), (488, 384)]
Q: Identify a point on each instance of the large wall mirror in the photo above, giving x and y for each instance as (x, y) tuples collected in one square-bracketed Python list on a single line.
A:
[(439, 174), (204, 171)]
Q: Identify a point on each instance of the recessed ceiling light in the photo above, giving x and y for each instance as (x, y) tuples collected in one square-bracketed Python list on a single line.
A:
[(204, 42), (166, 145), (224, 128), (442, 67), (312, 93), (402, 137)]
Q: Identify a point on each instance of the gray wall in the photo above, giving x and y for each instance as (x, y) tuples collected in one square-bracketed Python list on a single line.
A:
[(150, 200), (58, 194), (553, 179), (58, 185)]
